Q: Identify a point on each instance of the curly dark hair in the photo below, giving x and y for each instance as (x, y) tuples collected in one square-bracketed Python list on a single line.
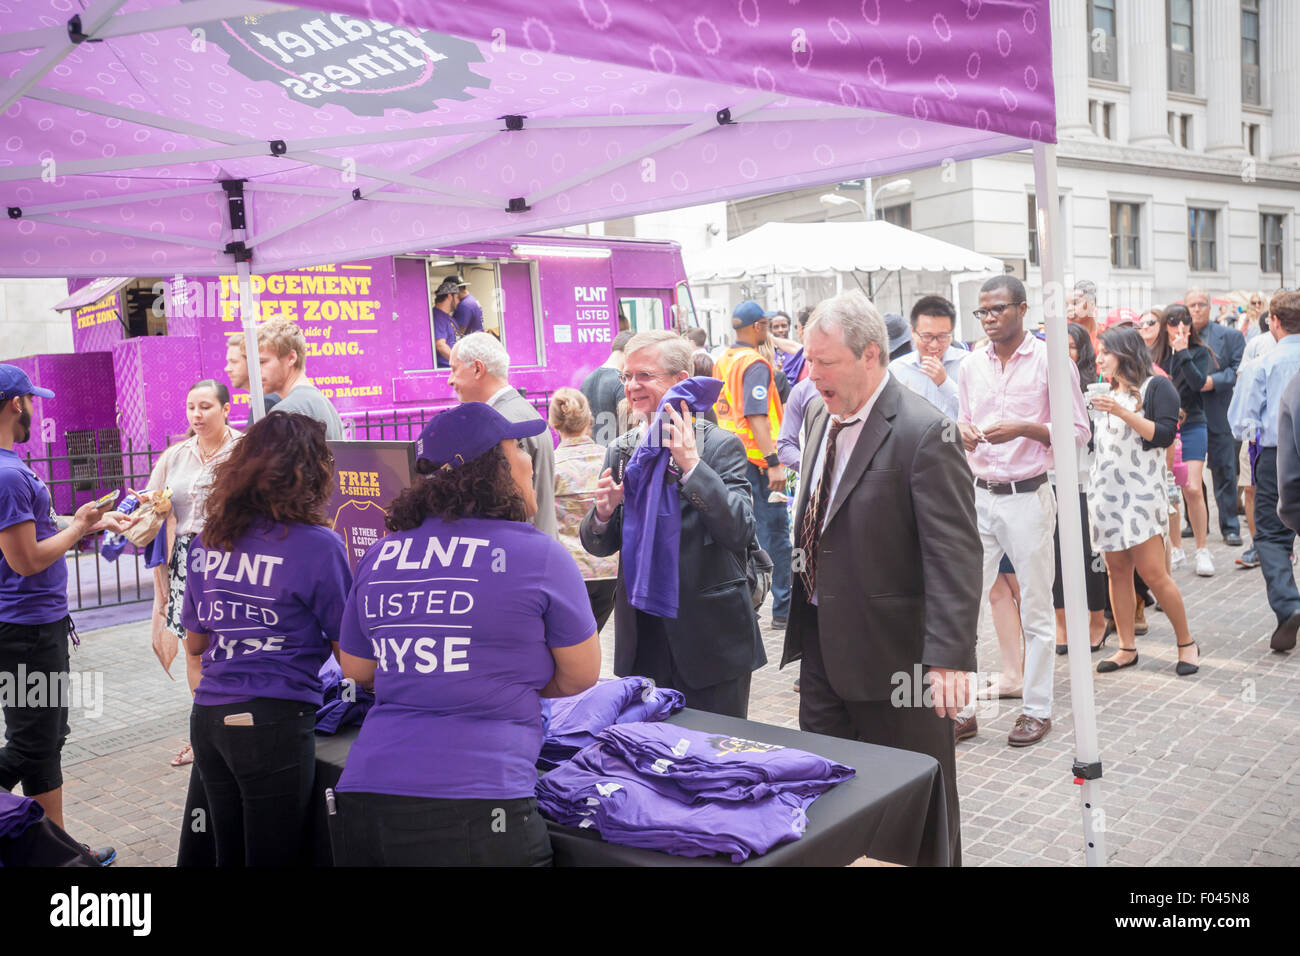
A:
[(281, 470), (1132, 360), (483, 488)]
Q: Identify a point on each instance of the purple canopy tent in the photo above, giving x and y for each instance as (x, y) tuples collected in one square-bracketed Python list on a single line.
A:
[(217, 136)]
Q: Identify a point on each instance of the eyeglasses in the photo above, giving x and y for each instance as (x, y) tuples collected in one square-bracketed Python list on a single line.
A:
[(1147, 323), (1256, 301), (994, 310), (1179, 322), (932, 338), (641, 378)]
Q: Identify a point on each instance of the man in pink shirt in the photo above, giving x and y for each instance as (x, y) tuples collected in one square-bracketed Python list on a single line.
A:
[(1006, 428)]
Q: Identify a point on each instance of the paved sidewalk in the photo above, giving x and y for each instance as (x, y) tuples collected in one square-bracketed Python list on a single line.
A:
[(1198, 771)]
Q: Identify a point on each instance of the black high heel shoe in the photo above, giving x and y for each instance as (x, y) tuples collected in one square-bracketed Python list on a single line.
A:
[(1102, 643), (1109, 667), (1185, 669)]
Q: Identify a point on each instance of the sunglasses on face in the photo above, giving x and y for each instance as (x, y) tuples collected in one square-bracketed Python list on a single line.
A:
[(1180, 322), (1147, 323)]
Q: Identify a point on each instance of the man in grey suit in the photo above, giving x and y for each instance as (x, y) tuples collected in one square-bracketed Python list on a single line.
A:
[(888, 558), (709, 650), (479, 370)]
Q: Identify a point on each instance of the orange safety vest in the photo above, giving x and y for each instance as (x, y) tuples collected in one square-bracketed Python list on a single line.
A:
[(730, 407)]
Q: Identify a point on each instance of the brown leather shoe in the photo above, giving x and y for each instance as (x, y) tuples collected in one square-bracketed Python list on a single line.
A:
[(1028, 730), (964, 729), (1140, 619)]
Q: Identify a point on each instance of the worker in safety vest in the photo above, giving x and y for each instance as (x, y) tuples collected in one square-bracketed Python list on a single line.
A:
[(750, 407)]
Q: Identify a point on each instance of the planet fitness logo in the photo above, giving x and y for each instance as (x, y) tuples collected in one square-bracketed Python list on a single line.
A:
[(365, 66)]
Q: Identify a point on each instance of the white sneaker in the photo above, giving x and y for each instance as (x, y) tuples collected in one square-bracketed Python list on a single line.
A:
[(1176, 559), (1204, 564)]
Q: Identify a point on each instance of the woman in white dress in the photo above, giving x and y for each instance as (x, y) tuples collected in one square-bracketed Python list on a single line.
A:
[(1127, 499)]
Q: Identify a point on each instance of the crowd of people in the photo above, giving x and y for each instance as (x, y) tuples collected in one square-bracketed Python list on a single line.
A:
[(884, 479)]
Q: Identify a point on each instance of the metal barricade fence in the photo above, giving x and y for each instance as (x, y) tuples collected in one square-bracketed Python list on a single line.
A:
[(96, 461)]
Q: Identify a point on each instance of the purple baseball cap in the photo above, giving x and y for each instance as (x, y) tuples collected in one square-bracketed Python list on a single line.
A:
[(14, 382), (458, 435)]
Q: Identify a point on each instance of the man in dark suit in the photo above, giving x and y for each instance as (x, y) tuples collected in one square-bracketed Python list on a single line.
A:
[(888, 557), (710, 648), (1227, 345)]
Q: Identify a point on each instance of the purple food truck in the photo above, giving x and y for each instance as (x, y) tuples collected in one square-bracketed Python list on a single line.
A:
[(555, 302)]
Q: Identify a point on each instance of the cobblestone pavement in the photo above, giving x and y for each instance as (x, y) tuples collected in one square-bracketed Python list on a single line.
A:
[(1198, 771)]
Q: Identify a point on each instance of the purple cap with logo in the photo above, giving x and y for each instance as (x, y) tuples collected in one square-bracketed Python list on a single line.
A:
[(459, 435), (14, 382)]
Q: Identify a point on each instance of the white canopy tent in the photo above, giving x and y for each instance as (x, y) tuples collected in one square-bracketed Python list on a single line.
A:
[(798, 249)]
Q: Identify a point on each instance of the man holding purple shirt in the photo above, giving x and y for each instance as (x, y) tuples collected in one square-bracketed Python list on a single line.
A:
[(1006, 428)]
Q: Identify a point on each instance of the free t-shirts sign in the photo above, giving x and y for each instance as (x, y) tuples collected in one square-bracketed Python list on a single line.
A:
[(368, 475)]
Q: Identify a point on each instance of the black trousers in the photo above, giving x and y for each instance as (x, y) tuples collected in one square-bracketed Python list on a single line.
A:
[(34, 735), (1274, 540), (601, 595), (381, 829), (257, 779), (1221, 463), (1094, 567), (916, 727), (654, 659)]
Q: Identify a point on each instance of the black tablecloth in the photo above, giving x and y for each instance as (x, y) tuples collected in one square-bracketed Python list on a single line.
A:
[(893, 809)]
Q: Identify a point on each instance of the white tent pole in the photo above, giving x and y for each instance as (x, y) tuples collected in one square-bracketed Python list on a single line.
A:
[(18, 84), (92, 227), (1065, 459), (698, 128), (256, 400), (146, 21), (123, 200)]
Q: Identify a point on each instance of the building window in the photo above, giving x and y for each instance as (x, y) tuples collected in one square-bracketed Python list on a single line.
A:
[(1033, 232), (1125, 241), (1250, 52), (1182, 66), (1250, 138), (1101, 40), (899, 215), (1101, 117), (1201, 230), (1180, 129), (1270, 242)]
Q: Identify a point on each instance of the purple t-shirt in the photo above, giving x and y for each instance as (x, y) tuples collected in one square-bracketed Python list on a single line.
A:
[(443, 328), (271, 607), (37, 598), (461, 617)]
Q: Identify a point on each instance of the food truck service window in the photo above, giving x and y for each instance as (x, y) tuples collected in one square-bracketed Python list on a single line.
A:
[(643, 313)]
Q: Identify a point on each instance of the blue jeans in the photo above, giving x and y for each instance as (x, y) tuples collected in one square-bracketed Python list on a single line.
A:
[(773, 537)]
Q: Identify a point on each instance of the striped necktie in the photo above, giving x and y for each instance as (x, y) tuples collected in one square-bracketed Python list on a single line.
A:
[(810, 529)]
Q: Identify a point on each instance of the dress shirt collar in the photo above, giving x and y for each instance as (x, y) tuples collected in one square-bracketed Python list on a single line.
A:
[(493, 400), (1024, 348)]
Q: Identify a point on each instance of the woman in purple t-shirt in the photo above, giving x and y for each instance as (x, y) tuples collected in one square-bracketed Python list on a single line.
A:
[(263, 599), (461, 619)]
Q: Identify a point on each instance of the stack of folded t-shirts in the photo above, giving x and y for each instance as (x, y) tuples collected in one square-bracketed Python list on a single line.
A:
[(344, 702), (572, 723), (688, 792)]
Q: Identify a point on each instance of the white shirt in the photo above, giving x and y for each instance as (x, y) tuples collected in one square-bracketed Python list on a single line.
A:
[(844, 445)]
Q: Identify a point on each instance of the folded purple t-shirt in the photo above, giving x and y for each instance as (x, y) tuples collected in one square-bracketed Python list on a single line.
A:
[(572, 723)]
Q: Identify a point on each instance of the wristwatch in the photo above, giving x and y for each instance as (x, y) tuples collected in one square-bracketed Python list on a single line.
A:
[(772, 460)]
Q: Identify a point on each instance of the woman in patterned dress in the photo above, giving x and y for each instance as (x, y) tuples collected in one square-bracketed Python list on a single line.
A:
[(1127, 498)]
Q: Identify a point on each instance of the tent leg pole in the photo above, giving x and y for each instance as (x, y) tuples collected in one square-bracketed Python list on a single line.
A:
[(1087, 765), (256, 400)]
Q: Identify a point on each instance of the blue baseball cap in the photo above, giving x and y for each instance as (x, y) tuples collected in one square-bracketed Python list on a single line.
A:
[(749, 312), (14, 382), (459, 435)]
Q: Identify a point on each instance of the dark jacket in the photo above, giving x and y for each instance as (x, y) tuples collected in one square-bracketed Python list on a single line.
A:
[(899, 563), (715, 636), (1226, 346), (1187, 370), (1160, 405)]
